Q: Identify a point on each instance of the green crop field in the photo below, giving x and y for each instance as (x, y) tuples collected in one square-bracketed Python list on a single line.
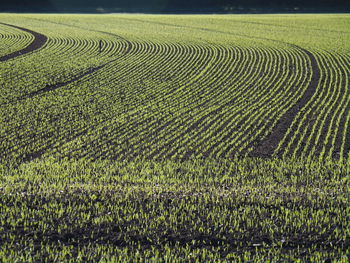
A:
[(174, 138)]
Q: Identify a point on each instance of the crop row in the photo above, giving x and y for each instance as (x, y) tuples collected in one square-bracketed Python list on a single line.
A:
[(188, 98), (213, 211), (113, 94), (13, 39), (321, 127)]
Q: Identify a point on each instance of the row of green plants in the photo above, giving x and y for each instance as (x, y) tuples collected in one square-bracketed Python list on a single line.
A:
[(179, 87), (170, 90), (13, 39), (316, 130), (199, 210)]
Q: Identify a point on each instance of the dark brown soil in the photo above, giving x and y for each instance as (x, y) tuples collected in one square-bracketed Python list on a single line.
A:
[(90, 71), (38, 42), (269, 144)]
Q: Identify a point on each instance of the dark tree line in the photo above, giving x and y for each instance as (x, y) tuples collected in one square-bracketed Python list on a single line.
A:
[(192, 6)]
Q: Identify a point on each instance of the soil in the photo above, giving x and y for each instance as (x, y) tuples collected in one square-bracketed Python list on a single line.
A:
[(38, 42), (270, 143)]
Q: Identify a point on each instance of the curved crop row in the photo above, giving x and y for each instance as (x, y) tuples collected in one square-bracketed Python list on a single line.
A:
[(182, 93), (320, 128), (13, 39)]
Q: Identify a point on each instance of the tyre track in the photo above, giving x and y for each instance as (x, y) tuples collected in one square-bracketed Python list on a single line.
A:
[(38, 42), (80, 76), (269, 144)]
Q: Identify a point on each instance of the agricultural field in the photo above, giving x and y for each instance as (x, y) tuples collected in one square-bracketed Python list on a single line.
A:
[(174, 138)]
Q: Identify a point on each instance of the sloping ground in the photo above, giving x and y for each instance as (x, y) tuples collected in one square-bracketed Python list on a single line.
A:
[(130, 142), (179, 89), (211, 211)]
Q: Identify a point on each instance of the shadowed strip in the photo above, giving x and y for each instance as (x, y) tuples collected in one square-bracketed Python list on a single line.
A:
[(76, 78), (60, 84), (38, 42), (268, 146)]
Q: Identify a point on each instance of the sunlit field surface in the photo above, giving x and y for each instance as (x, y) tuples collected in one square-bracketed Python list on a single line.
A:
[(175, 138)]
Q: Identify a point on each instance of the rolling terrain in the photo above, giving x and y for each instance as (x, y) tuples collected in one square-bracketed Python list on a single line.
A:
[(232, 131), (148, 87)]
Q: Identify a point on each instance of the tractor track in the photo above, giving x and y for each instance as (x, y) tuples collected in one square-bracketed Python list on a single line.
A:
[(267, 147), (38, 42)]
